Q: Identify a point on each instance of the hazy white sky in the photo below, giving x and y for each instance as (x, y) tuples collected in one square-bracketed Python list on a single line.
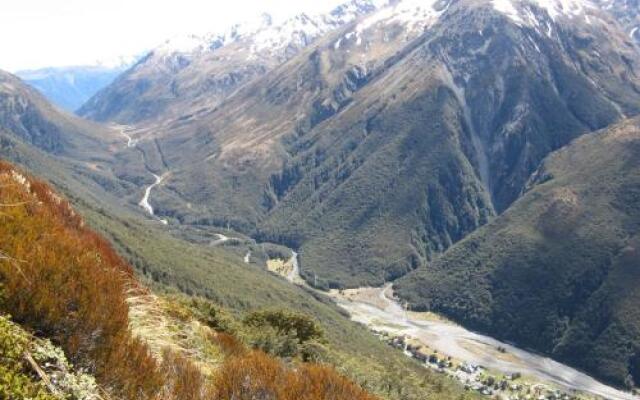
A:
[(41, 33)]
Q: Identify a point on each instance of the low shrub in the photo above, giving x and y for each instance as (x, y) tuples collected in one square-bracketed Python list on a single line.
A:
[(255, 375), (65, 282), (286, 323), (16, 381)]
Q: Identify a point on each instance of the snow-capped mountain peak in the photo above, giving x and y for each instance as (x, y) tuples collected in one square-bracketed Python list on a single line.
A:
[(414, 13), (183, 44), (264, 34), (303, 29)]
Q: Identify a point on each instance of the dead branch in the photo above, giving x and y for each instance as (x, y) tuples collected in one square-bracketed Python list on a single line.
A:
[(16, 263), (3, 256), (40, 372), (22, 203)]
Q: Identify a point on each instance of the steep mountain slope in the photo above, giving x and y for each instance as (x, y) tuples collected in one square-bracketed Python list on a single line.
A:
[(70, 87), (65, 282), (559, 270), (197, 73), (392, 138), (627, 12), (166, 261), (29, 116), (45, 139)]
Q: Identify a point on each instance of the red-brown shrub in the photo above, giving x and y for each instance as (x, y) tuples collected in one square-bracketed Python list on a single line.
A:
[(184, 380), (256, 375), (229, 344), (65, 282)]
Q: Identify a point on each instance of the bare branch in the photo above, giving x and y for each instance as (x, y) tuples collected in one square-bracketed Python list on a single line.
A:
[(27, 356), (16, 204), (16, 263), (3, 256)]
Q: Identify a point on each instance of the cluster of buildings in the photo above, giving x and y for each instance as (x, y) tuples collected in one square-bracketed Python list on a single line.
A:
[(475, 377)]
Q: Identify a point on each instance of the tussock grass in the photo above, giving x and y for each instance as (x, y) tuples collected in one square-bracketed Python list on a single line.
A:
[(165, 325)]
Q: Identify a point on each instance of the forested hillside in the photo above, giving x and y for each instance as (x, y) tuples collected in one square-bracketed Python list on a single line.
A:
[(559, 271)]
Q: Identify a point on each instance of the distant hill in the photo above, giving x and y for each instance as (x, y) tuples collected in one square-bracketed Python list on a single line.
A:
[(70, 87), (560, 270)]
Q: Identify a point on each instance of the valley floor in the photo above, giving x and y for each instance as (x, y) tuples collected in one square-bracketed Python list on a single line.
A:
[(377, 309)]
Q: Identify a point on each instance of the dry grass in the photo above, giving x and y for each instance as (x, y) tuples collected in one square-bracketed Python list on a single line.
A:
[(65, 282), (164, 325), (279, 267)]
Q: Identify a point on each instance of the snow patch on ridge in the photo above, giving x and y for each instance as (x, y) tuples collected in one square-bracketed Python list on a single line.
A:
[(507, 8), (183, 44), (303, 29), (518, 11), (415, 15)]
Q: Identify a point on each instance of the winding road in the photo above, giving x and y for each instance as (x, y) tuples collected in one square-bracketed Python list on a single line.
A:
[(130, 141), (221, 239), (144, 203), (383, 313), (294, 275)]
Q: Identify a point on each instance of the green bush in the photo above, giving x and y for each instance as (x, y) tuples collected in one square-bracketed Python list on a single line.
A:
[(285, 334), (286, 323), (16, 381), (213, 316)]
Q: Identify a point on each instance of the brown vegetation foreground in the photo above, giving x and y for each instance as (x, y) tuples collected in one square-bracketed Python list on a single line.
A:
[(63, 281)]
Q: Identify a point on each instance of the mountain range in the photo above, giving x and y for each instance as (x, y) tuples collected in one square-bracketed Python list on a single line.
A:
[(70, 87), (479, 154), (322, 152)]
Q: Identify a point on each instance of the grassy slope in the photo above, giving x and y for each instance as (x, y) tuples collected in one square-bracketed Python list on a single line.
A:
[(559, 270)]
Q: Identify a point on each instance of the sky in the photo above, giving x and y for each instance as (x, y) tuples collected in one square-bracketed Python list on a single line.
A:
[(52, 33)]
